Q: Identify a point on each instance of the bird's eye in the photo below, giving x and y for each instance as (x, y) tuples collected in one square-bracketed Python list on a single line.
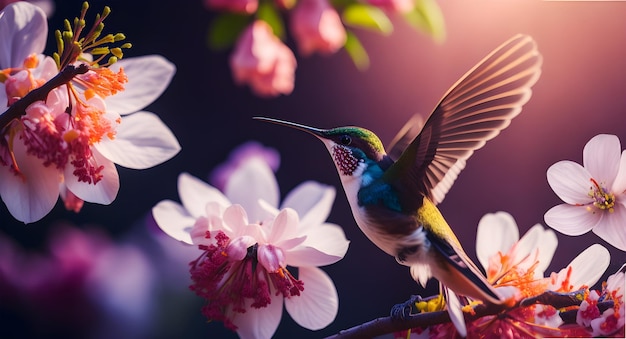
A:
[(345, 140)]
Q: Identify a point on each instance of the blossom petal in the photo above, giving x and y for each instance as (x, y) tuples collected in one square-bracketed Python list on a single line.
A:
[(236, 218), (252, 181), (141, 141), (313, 202), (619, 185), (103, 192), (496, 232), (327, 238), (319, 255), (30, 199), (23, 31), (259, 322), (174, 220), (538, 239), (601, 157), (148, 77), (571, 220), (195, 194), (284, 227), (570, 181), (589, 265), (316, 307), (612, 227)]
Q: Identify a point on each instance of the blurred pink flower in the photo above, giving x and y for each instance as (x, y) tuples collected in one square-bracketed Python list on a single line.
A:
[(46, 5), (594, 194), (247, 244), (82, 280), (394, 6), (262, 61), (317, 27), (237, 6), (246, 152)]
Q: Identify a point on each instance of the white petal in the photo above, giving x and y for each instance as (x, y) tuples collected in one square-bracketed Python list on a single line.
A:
[(104, 191), (619, 185), (456, 312), (252, 181), (142, 140), (23, 31), (33, 198), (327, 238), (571, 220), (174, 220), (259, 322), (195, 194), (313, 202), (148, 77), (302, 256), (540, 241), (612, 227), (547, 247), (601, 157), (317, 305), (588, 266), (570, 181), (496, 232)]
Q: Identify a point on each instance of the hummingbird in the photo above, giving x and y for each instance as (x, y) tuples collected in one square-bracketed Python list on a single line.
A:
[(394, 195)]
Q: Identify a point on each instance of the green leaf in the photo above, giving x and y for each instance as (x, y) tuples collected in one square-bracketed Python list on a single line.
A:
[(225, 29), (428, 18), (357, 53), (368, 17), (268, 13)]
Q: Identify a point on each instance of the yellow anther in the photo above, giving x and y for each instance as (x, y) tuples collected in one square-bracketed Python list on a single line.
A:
[(117, 52)]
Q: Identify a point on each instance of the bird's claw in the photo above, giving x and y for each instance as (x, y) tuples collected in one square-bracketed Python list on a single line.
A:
[(406, 309)]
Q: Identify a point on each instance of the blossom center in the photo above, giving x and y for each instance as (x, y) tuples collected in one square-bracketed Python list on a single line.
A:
[(602, 199)]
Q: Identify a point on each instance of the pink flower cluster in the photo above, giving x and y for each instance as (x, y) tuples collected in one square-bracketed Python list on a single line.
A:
[(261, 60)]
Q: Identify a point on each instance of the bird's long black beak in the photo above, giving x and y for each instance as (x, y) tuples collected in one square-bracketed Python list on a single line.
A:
[(318, 132)]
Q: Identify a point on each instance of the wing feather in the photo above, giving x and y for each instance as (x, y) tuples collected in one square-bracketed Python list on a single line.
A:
[(475, 110)]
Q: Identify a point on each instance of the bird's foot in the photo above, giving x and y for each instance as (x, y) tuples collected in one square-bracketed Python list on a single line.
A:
[(406, 309)]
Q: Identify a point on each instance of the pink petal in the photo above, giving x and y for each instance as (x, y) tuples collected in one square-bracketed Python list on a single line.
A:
[(570, 181), (316, 307), (141, 141), (571, 220), (271, 257), (601, 157), (148, 77), (612, 227), (537, 241), (259, 322), (174, 220), (238, 247), (236, 218), (195, 194), (285, 226), (251, 182), (103, 192), (327, 238), (496, 232), (23, 31), (308, 256), (313, 202), (619, 185), (30, 199)]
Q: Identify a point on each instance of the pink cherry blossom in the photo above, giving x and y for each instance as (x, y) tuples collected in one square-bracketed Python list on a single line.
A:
[(317, 27), (262, 61), (46, 152), (594, 194), (237, 6), (250, 247)]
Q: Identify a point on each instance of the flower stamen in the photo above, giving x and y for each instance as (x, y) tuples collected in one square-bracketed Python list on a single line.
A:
[(603, 200)]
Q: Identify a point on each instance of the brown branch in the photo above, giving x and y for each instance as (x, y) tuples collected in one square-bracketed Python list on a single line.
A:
[(40, 94), (386, 325)]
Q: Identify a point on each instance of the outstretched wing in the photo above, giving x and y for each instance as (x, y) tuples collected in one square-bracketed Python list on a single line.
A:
[(474, 110), (405, 136)]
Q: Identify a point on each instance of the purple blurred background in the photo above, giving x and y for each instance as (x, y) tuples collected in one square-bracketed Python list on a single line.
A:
[(581, 93)]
